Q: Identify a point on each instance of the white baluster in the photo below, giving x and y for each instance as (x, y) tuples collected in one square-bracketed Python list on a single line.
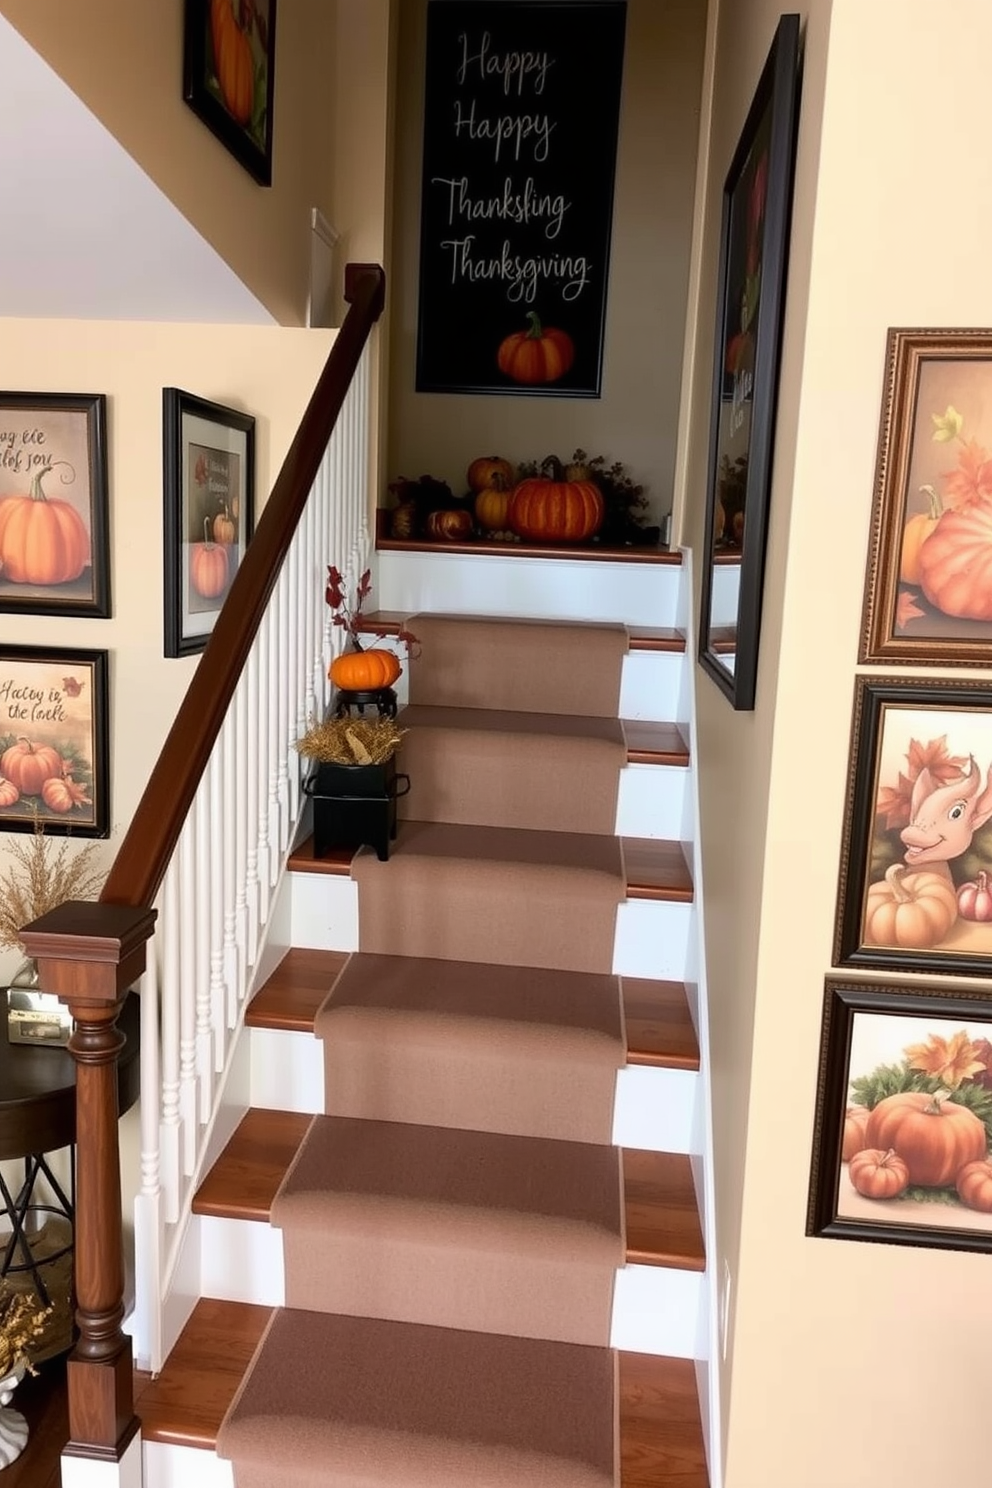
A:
[(201, 910), (242, 841), (168, 935), (188, 1082), (266, 765), (213, 892), (294, 691), (282, 714), (253, 775), (229, 829)]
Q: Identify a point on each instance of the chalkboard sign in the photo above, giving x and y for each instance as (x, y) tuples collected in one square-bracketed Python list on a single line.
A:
[(520, 136)]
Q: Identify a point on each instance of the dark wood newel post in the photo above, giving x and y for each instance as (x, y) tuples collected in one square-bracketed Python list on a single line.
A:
[(90, 955)]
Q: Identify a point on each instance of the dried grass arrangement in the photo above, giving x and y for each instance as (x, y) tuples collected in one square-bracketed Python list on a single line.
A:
[(42, 877), (351, 741), (22, 1321)]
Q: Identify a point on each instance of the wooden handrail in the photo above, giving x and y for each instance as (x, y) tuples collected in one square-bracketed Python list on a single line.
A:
[(144, 854)]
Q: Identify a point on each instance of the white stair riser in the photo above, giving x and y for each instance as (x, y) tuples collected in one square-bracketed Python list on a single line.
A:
[(168, 1466), (653, 1108), (655, 1308), (652, 802), (633, 594)]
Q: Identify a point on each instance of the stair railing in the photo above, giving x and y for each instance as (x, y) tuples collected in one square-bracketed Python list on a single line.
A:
[(203, 855)]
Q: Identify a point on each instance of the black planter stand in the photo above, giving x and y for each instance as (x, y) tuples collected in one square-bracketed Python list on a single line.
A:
[(355, 806), (382, 699)]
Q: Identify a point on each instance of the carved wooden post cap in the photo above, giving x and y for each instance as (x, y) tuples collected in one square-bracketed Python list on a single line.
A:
[(89, 952)]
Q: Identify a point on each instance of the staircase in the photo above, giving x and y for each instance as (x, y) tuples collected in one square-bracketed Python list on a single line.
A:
[(235, 1258)]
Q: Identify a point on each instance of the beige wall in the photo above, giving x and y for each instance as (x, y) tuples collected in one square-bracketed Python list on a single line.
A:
[(263, 233), (267, 371), (835, 1379), (636, 419)]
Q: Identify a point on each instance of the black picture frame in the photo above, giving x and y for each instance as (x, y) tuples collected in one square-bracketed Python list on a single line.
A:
[(902, 1052), (66, 434), (209, 487), (754, 241), (54, 741), (217, 50), (516, 230), (917, 827)]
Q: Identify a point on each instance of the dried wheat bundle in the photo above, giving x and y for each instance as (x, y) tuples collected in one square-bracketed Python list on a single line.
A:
[(42, 877), (22, 1320), (351, 741)]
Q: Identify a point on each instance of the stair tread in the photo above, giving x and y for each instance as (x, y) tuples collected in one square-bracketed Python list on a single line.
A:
[(658, 1022), (656, 867), (662, 1220), (660, 1432), (647, 742), (640, 637)]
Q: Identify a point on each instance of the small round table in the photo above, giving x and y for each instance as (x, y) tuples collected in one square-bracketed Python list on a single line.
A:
[(37, 1116)]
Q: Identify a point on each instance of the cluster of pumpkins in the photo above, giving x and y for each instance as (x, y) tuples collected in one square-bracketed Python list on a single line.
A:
[(29, 769), (948, 555), (209, 561), (561, 505), (916, 1138)]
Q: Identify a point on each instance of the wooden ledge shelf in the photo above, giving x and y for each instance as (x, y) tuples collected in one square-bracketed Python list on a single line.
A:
[(593, 553)]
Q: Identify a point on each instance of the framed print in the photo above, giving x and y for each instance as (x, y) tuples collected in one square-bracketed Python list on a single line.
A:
[(903, 1118), (54, 537), (229, 50), (54, 741), (916, 863), (757, 203), (516, 201), (209, 512), (928, 592)]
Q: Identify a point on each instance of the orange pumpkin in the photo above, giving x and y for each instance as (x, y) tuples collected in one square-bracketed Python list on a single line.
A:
[(27, 766), (9, 794), (915, 533), (490, 472), (63, 794), (539, 354), (232, 61), (855, 1121), (878, 1175), (364, 671), (934, 1137), (956, 563), (492, 505), (449, 525), (974, 1185), (914, 910), (208, 567), (546, 509), (42, 540), (225, 530)]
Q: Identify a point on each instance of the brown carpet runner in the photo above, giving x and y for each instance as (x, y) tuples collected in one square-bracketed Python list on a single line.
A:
[(420, 1407), (464, 1229), (491, 1048)]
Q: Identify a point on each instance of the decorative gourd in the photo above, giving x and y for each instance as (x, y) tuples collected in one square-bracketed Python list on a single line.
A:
[(208, 566), (225, 529), (27, 766), (539, 354), (974, 1185), (364, 671), (42, 540), (449, 525), (935, 1137), (403, 520), (956, 563), (855, 1122), (9, 794), (491, 507), (975, 899), (489, 471), (911, 910), (878, 1175), (232, 61), (915, 534), (63, 794), (547, 508)]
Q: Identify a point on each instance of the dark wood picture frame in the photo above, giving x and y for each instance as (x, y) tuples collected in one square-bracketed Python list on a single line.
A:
[(66, 434), (209, 479), (933, 476), (879, 1044), (229, 55), (754, 241), (917, 828), (54, 740)]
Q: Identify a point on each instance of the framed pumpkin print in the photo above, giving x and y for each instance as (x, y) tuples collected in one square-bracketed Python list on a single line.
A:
[(209, 470), (229, 50), (53, 741), (916, 863), (54, 539), (928, 591), (903, 1121)]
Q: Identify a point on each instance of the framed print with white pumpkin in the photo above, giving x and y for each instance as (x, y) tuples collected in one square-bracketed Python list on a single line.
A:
[(903, 1120), (209, 469), (54, 539)]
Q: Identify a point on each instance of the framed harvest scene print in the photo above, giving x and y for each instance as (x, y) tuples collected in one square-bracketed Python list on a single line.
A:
[(229, 76), (916, 864), (53, 741), (54, 540), (757, 201), (903, 1118), (209, 468), (928, 595)]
